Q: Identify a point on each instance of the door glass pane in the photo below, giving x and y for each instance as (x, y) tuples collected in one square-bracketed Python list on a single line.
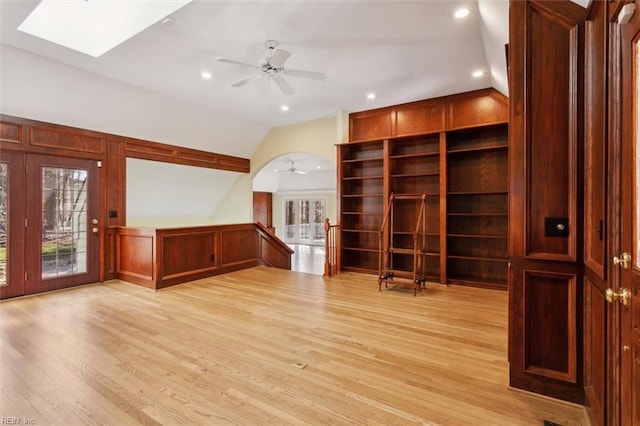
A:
[(4, 206), (318, 220), (64, 222), (290, 219), (304, 220)]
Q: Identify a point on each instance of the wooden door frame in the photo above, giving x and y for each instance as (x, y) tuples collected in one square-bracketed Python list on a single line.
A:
[(34, 283), (627, 77), (15, 224)]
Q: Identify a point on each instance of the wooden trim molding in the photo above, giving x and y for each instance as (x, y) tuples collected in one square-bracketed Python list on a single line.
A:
[(145, 150), (28, 135)]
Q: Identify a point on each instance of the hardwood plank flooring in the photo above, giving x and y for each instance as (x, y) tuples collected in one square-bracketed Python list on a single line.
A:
[(221, 351)]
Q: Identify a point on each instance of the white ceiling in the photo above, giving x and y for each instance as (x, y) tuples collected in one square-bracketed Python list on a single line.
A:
[(402, 50)]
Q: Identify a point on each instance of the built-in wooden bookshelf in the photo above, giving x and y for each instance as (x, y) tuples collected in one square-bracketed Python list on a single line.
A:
[(414, 169), (477, 206), (362, 203), (458, 158)]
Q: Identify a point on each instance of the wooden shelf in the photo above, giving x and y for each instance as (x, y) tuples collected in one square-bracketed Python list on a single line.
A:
[(414, 175), (490, 259), (416, 155), (478, 193), (478, 149), (362, 160), (362, 177), (462, 167), (478, 214), (478, 236)]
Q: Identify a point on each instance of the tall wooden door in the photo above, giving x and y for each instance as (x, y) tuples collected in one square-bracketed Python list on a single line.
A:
[(62, 238), (628, 293)]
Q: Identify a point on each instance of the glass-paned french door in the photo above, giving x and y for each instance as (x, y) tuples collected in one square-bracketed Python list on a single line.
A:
[(49, 227), (304, 220)]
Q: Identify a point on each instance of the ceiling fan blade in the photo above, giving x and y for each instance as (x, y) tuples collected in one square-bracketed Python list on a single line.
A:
[(305, 74), (231, 61), (300, 172), (283, 85), (278, 58), (246, 80)]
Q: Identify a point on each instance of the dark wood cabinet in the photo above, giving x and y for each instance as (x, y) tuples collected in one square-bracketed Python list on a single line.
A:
[(459, 162)]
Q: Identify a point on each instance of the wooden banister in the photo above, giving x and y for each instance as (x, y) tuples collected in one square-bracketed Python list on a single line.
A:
[(331, 249)]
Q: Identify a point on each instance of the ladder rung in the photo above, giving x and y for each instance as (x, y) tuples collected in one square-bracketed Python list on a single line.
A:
[(408, 197), (402, 250), (398, 273)]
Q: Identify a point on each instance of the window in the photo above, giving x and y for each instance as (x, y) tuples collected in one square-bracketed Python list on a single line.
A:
[(304, 220)]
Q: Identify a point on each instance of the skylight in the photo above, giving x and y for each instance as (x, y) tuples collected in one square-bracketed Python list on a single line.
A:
[(94, 27)]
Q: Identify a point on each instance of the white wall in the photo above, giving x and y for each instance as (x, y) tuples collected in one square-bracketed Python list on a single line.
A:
[(38, 88), (166, 195), (316, 137)]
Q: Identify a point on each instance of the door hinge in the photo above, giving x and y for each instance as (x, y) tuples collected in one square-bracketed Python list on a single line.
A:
[(25, 277), (99, 164), (25, 223), (26, 168)]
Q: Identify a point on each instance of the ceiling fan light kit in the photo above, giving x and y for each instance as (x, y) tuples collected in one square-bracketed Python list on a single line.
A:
[(271, 65)]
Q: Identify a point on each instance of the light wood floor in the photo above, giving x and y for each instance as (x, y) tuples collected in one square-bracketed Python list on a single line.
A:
[(220, 351)]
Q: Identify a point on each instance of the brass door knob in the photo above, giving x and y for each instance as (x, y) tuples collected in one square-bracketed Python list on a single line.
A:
[(624, 296), (624, 260), (95, 230)]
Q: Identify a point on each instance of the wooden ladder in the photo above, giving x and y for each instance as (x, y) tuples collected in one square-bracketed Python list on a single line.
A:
[(386, 248)]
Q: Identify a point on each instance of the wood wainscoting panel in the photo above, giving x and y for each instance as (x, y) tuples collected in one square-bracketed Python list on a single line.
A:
[(552, 145), (136, 256), (595, 348), (426, 117), (159, 258), (11, 132), (370, 125), (67, 138), (477, 109), (238, 246), (187, 252), (550, 318), (272, 256)]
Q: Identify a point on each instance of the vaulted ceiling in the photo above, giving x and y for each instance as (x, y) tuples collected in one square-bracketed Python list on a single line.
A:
[(400, 50)]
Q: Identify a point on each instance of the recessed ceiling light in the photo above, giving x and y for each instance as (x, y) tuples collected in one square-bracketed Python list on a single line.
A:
[(461, 13), (371, 96), (275, 170), (477, 73), (206, 74), (318, 167), (95, 27), (284, 108)]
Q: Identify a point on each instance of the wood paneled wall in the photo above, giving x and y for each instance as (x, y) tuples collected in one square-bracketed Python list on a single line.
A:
[(25, 136), (159, 258), (469, 109), (545, 275)]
